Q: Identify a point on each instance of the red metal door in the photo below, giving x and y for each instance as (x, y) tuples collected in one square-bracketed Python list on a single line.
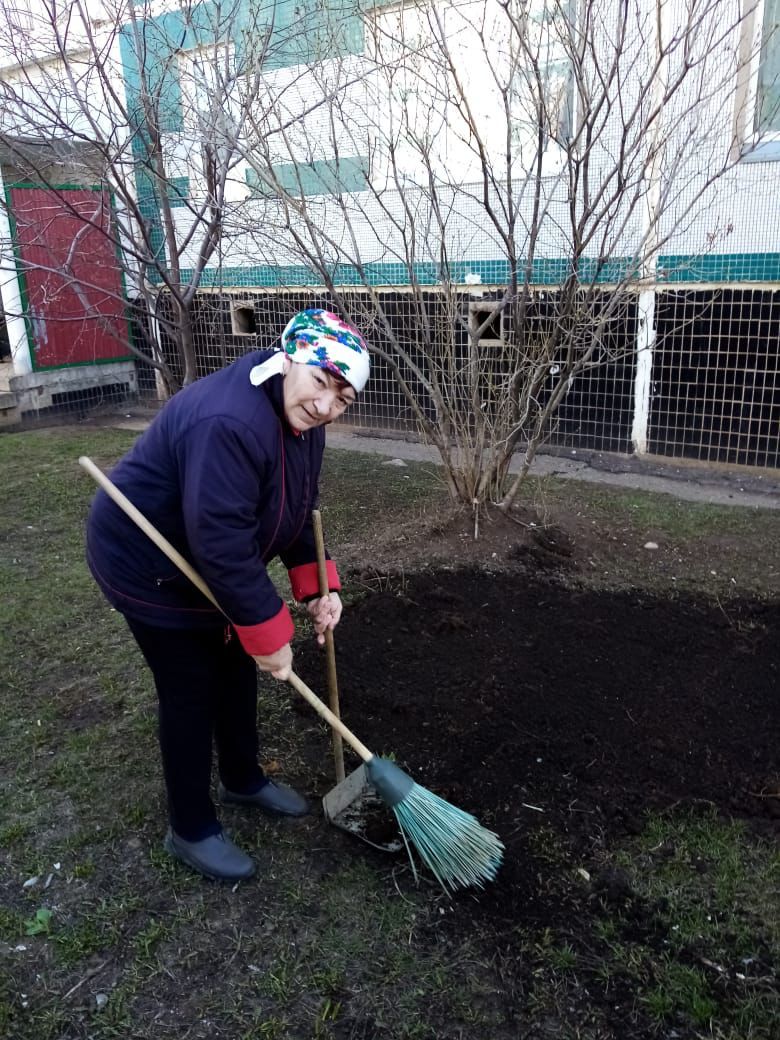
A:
[(71, 279)]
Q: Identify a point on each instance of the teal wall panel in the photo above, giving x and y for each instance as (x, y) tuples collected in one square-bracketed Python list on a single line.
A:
[(321, 177), (178, 191)]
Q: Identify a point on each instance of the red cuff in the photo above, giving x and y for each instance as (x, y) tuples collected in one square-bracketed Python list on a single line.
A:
[(269, 636), (304, 579)]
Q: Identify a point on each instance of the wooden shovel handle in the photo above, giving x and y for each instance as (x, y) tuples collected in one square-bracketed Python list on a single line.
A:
[(189, 571), (330, 646)]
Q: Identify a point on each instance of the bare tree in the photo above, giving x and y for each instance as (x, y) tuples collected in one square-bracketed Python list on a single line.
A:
[(151, 101), (515, 167), (525, 163)]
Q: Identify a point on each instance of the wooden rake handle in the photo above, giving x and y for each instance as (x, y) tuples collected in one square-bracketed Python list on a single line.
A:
[(189, 571), (330, 646), (333, 720)]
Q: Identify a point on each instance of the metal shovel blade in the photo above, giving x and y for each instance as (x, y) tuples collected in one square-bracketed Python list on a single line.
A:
[(355, 807)]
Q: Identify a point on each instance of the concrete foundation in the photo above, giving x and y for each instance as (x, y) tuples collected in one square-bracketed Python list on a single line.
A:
[(72, 389)]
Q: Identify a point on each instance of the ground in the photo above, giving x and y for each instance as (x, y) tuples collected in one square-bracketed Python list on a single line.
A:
[(560, 715), (501, 692), (595, 679)]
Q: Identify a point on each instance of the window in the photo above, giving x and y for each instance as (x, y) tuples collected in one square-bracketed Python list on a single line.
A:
[(757, 119), (242, 318), (547, 45), (767, 116), (490, 318)]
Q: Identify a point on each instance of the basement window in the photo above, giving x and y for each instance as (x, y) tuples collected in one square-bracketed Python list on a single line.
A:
[(493, 332), (242, 318)]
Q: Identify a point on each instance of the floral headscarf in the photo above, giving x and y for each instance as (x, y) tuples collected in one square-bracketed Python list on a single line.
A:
[(321, 338)]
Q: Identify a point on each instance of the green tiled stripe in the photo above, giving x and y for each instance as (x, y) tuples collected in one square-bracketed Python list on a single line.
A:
[(496, 272), (178, 191), (727, 268)]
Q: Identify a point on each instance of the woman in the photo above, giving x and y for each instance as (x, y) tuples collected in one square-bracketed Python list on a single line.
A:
[(228, 472)]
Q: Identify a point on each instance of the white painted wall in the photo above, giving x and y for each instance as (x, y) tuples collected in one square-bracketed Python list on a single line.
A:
[(386, 117), (11, 298)]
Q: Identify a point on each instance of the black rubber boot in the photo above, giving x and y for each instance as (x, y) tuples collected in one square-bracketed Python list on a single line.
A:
[(215, 857), (271, 798)]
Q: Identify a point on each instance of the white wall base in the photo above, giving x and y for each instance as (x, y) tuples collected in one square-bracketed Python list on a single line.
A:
[(36, 391)]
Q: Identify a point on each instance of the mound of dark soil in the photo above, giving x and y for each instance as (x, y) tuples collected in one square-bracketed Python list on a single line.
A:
[(533, 706)]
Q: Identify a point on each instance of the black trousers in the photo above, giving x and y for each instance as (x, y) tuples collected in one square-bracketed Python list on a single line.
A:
[(207, 692)]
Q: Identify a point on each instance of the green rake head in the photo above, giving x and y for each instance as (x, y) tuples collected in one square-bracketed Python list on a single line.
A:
[(458, 850)]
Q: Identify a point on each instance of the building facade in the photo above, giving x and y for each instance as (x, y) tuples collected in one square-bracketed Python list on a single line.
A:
[(575, 191)]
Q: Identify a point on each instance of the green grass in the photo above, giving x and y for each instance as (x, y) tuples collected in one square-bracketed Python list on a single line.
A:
[(715, 894), (360, 493), (663, 513), (77, 723), (714, 882), (329, 942), (719, 551)]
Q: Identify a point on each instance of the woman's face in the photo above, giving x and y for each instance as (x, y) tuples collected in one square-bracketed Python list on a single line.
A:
[(312, 396)]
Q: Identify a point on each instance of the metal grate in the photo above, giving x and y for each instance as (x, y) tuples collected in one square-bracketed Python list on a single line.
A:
[(596, 412), (714, 394), (716, 376), (217, 342)]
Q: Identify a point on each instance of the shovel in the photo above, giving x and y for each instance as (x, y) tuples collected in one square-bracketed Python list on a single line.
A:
[(353, 805), (330, 646)]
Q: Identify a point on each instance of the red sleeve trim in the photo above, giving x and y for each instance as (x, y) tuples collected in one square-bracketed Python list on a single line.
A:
[(304, 579), (269, 636)]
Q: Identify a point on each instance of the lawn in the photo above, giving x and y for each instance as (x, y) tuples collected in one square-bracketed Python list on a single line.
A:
[(609, 708)]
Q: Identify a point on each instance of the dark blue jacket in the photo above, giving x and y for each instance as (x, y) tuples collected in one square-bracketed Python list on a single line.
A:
[(223, 477)]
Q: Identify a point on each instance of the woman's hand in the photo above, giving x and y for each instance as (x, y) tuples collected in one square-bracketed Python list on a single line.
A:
[(279, 663), (325, 612)]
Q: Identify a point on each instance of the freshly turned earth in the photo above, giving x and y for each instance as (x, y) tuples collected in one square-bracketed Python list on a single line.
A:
[(533, 704), (559, 710)]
